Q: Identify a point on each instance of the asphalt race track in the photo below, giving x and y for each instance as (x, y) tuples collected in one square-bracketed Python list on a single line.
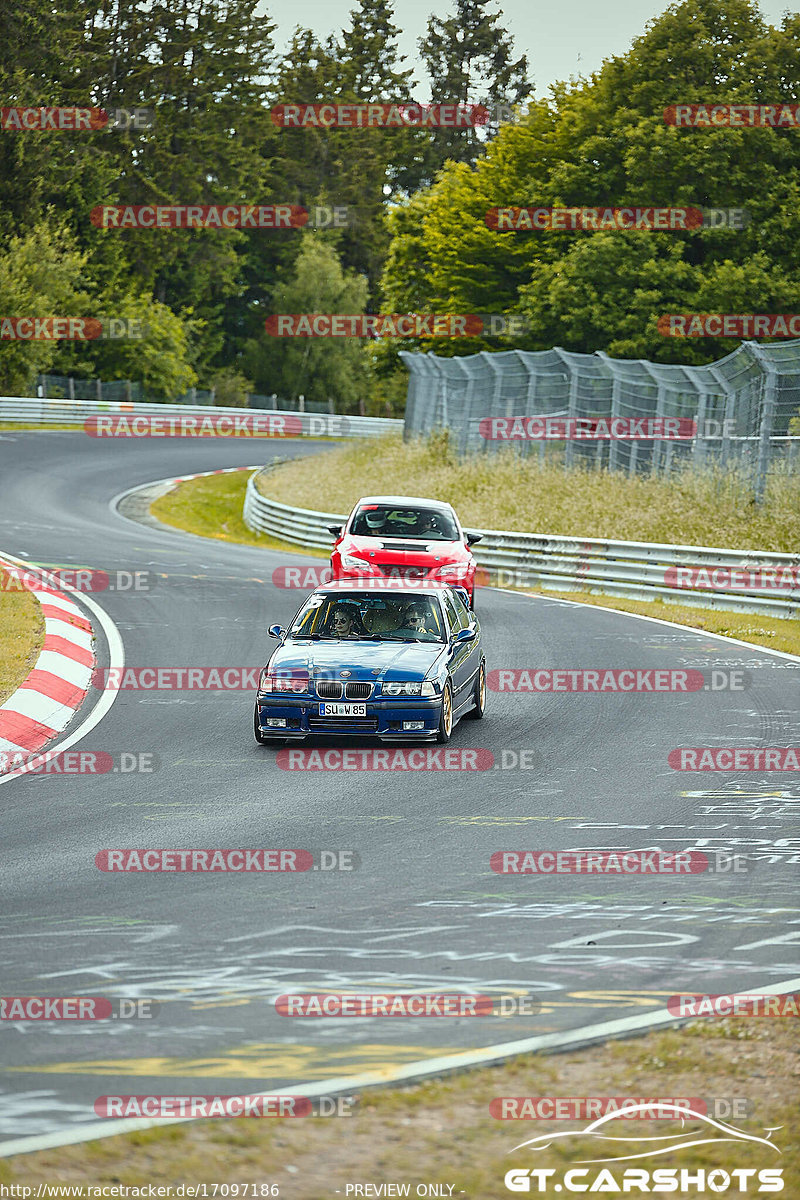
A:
[(423, 910)]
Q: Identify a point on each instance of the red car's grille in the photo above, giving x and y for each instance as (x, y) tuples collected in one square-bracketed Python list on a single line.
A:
[(395, 571)]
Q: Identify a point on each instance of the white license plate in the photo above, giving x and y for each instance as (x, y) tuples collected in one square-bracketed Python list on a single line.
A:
[(342, 710)]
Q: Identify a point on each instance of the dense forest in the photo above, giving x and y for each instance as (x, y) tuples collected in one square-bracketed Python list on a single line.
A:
[(416, 238)]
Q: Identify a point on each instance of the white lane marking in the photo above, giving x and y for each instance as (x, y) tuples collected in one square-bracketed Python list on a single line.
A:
[(410, 1072), (116, 651), (620, 612)]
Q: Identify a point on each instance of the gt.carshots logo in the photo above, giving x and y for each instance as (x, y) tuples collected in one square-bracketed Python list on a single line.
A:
[(184, 425), (611, 1148), (259, 861), (568, 429), (418, 759)]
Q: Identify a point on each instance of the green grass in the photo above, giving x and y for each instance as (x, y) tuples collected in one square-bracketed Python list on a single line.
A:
[(503, 491), (21, 637), (211, 506), (442, 1130)]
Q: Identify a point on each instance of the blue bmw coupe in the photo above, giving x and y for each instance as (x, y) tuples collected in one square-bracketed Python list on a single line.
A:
[(387, 660)]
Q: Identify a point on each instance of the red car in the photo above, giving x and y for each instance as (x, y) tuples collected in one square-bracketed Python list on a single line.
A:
[(404, 537)]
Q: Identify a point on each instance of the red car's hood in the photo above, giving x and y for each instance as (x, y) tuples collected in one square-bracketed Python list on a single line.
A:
[(410, 552)]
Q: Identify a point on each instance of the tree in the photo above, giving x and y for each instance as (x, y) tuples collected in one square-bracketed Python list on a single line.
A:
[(469, 60), (318, 368), (604, 143)]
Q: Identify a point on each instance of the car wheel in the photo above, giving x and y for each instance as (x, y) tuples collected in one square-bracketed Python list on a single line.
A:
[(479, 695), (446, 716)]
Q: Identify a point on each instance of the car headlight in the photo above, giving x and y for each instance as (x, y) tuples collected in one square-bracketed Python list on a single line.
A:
[(409, 688), (452, 571), (281, 683), (351, 563)]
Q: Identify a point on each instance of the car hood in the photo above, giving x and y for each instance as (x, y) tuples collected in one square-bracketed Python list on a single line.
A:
[(407, 552), (365, 660)]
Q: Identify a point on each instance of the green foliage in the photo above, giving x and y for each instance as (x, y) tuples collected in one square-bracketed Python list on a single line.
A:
[(604, 143), (317, 368)]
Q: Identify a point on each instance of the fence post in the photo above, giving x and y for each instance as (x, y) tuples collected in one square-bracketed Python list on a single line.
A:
[(98, 387), (301, 404), (128, 391), (767, 416), (331, 407), (71, 388)]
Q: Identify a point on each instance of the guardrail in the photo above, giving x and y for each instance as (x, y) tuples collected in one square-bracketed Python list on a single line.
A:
[(33, 409), (638, 570)]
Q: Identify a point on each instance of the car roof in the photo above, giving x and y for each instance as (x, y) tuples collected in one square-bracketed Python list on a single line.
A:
[(406, 501)]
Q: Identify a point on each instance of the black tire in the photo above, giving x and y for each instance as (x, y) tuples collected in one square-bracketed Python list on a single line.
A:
[(445, 730), (479, 695)]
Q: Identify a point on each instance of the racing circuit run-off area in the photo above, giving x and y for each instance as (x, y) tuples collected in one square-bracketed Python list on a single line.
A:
[(399, 601)]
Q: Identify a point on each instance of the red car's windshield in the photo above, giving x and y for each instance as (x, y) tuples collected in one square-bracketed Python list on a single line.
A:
[(423, 524)]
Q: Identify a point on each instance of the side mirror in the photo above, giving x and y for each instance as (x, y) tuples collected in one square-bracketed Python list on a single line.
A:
[(473, 538), (336, 530), (276, 631), (465, 635)]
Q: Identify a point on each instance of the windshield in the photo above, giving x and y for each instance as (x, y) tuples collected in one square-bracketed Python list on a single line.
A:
[(356, 617), (419, 524)]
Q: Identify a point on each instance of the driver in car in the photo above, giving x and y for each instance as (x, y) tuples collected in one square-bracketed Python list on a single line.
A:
[(416, 620), (344, 623)]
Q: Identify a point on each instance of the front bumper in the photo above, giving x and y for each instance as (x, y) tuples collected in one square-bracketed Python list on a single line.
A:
[(384, 718)]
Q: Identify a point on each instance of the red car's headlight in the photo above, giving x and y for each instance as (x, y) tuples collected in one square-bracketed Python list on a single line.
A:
[(351, 563), (452, 571)]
